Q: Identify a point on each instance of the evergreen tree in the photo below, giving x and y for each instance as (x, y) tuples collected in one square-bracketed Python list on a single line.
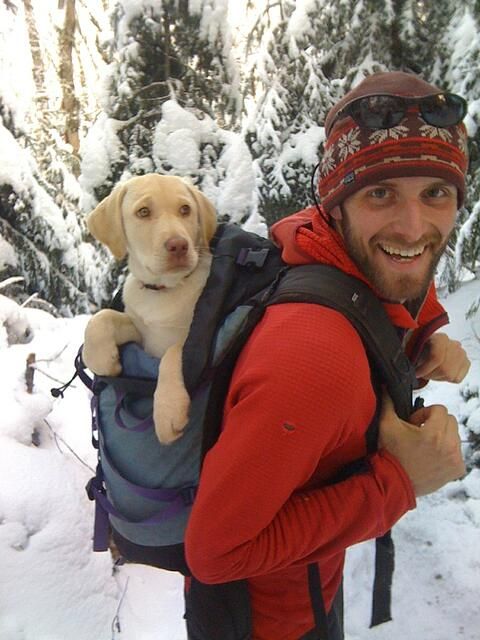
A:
[(460, 72), (421, 27), (444, 40), (39, 196), (311, 55), (470, 394), (161, 50)]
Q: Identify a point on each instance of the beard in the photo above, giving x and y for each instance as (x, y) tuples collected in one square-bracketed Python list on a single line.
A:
[(390, 285)]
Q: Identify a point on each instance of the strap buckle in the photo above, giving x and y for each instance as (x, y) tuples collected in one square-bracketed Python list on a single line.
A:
[(248, 257)]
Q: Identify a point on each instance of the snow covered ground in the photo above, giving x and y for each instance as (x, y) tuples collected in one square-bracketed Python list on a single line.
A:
[(53, 587)]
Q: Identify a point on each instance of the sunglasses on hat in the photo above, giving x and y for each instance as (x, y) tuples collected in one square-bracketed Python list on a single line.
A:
[(386, 111)]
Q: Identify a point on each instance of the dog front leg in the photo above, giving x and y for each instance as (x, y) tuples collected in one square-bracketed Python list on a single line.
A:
[(105, 332), (171, 402)]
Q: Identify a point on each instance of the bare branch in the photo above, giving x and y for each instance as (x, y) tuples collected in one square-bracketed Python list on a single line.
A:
[(58, 438)]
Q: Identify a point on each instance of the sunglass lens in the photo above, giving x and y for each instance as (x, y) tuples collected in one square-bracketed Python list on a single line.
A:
[(378, 112), (443, 110)]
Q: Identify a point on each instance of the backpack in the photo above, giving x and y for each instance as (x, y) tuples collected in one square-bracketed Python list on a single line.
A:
[(144, 490)]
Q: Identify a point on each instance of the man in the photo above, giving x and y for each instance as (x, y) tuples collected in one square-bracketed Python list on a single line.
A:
[(301, 398)]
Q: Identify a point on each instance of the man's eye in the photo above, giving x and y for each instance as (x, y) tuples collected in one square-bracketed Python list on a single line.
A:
[(437, 192), (379, 193)]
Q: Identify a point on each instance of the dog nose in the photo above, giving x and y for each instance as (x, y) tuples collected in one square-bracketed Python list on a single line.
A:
[(177, 246)]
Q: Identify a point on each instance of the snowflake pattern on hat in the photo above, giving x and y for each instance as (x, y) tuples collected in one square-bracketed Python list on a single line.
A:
[(349, 143), (463, 141), (428, 131), (382, 135), (328, 161)]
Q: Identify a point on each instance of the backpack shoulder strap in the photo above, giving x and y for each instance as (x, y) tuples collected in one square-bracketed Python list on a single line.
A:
[(243, 264), (326, 285), (331, 287)]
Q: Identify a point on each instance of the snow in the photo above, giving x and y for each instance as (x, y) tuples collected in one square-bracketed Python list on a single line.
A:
[(54, 587), (17, 95), (99, 150), (184, 142), (17, 169), (14, 324), (7, 254)]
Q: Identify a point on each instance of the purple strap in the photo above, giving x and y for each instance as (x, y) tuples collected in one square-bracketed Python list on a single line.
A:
[(141, 426), (165, 514), (178, 499), (160, 494), (101, 527)]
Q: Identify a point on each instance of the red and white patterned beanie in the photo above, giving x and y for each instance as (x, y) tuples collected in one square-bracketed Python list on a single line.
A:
[(355, 157)]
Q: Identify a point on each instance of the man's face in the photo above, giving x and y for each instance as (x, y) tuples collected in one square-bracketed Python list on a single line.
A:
[(396, 231)]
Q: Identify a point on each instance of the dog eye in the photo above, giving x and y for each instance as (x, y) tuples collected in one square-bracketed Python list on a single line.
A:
[(185, 210), (144, 212)]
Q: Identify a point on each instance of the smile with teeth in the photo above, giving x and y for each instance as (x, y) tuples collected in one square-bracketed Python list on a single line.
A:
[(402, 253)]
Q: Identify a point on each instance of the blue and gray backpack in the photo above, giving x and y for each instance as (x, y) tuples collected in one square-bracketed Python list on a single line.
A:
[(143, 490)]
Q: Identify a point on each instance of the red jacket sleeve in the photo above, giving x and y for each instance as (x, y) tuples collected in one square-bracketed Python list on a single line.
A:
[(299, 404)]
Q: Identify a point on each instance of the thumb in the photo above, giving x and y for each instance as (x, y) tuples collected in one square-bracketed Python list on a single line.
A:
[(419, 416)]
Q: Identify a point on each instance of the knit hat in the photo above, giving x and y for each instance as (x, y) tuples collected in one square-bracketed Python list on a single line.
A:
[(355, 157)]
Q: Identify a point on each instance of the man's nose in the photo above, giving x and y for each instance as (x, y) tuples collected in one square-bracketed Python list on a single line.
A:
[(410, 220)]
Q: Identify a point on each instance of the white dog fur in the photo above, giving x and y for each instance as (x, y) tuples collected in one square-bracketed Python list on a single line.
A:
[(165, 226)]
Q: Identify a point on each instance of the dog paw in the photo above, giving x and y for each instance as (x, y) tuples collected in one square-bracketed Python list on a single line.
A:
[(170, 414), (103, 360)]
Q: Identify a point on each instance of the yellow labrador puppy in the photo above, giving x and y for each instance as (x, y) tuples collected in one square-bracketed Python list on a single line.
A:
[(165, 226)]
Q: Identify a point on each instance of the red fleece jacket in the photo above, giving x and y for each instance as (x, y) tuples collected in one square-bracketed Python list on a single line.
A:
[(298, 406)]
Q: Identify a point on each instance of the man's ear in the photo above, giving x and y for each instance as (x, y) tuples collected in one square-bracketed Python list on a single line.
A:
[(336, 213), (106, 225)]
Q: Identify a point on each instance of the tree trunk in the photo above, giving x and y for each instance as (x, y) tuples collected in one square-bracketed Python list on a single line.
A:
[(38, 67), (70, 103)]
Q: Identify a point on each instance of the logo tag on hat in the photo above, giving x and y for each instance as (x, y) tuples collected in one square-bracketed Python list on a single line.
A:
[(349, 178)]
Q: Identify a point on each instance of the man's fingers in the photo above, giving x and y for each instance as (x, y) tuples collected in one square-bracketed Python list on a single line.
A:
[(433, 414), (443, 359)]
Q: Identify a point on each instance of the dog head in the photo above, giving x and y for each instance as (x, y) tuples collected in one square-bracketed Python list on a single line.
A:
[(161, 222)]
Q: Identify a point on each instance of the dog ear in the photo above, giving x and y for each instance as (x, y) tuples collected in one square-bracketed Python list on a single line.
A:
[(208, 215), (105, 222)]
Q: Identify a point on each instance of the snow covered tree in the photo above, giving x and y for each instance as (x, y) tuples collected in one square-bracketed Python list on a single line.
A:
[(161, 50), (41, 237), (455, 53), (310, 52), (422, 27), (462, 75), (471, 422)]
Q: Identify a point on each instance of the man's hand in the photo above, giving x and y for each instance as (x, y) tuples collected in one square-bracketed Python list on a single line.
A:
[(443, 359), (428, 447)]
